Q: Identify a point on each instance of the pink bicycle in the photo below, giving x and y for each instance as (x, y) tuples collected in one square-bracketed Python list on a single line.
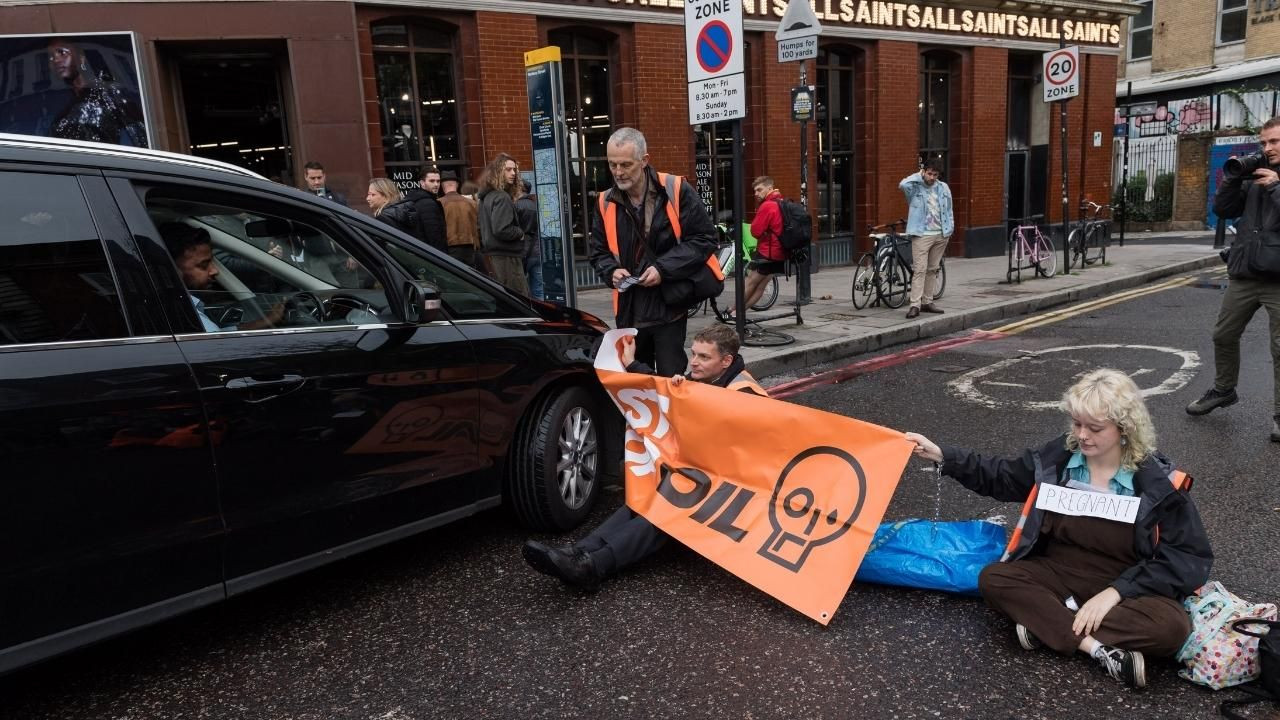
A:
[(1030, 248)]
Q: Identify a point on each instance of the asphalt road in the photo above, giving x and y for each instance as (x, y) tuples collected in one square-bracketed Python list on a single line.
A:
[(452, 624)]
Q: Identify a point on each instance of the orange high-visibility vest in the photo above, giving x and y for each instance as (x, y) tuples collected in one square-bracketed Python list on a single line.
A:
[(609, 215), (1180, 480), (744, 380)]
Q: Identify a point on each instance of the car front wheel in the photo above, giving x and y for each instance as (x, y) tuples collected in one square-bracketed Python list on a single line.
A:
[(555, 474)]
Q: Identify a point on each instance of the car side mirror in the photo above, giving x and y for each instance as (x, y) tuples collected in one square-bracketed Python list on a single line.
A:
[(422, 301)]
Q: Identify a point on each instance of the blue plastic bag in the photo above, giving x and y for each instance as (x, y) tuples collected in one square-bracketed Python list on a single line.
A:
[(943, 556)]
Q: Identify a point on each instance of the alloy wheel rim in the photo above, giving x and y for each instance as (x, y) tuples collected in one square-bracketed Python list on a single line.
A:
[(576, 468)]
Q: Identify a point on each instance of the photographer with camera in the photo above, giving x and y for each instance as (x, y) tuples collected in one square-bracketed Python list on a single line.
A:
[(1250, 191)]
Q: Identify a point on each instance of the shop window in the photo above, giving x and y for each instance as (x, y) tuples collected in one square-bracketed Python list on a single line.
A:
[(1140, 31), (713, 152), (1231, 20), (588, 111), (935, 108), (835, 120), (417, 99), (1022, 70)]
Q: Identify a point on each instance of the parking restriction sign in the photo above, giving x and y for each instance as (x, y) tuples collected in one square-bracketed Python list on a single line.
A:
[(1062, 73), (714, 57)]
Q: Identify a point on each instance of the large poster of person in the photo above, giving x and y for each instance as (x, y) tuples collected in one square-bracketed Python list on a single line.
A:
[(77, 87)]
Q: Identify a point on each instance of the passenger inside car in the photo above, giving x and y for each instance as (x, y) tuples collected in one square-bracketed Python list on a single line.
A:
[(192, 253)]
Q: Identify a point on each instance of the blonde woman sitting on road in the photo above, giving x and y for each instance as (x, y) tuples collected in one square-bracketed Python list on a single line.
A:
[(1127, 579)]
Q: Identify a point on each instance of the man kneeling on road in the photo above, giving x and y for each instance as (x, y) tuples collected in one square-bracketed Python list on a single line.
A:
[(626, 537)]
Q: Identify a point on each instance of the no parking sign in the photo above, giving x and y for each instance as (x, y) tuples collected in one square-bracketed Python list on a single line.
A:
[(1062, 73), (713, 51)]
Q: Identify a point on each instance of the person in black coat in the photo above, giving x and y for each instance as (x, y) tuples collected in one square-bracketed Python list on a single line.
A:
[(427, 204), (648, 249), (391, 207), (1079, 574)]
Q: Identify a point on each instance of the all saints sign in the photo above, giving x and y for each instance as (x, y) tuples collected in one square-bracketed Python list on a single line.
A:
[(923, 17)]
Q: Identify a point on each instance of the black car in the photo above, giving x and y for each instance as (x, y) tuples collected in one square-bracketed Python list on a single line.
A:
[(295, 382)]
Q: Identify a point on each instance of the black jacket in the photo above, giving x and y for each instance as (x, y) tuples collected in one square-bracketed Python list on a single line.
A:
[(331, 196), (675, 260), (402, 216), (500, 234), (1174, 567), (1258, 229), (527, 216), (430, 218)]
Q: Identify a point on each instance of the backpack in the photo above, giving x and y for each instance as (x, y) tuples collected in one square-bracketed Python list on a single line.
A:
[(797, 229), (1269, 666)]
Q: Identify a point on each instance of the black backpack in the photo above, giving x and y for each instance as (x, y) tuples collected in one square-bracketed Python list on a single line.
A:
[(1267, 686), (797, 229)]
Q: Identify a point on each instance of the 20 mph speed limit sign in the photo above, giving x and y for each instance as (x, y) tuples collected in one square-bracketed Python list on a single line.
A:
[(1062, 73)]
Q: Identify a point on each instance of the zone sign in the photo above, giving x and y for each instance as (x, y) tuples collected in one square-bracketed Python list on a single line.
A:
[(713, 38), (1062, 73)]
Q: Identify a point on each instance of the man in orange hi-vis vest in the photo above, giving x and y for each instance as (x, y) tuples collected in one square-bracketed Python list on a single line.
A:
[(650, 228), (626, 537)]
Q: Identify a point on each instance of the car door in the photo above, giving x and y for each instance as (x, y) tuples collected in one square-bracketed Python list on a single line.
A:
[(343, 421), (108, 502)]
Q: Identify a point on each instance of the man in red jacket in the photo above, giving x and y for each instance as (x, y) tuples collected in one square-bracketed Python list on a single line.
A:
[(768, 258)]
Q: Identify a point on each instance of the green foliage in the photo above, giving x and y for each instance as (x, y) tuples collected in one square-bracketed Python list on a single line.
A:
[(1158, 208)]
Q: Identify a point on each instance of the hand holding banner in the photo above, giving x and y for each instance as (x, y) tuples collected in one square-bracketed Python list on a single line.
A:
[(783, 496)]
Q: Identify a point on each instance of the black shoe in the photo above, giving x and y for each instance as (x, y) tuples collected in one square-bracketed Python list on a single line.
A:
[(1127, 666), (1025, 638), (573, 566), (913, 312), (931, 308), (1211, 401)]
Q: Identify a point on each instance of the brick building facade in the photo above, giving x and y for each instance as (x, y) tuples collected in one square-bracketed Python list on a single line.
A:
[(379, 88)]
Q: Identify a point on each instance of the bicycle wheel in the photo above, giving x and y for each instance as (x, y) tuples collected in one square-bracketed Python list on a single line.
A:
[(770, 295), (1045, 256), (693, 309), (1077, 249), (895, 285), (864, 282), (1095, 245), (1015, 257), (942, 278)]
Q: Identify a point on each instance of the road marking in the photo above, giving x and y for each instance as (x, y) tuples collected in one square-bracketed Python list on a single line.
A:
[(965, 386), (848, 372)]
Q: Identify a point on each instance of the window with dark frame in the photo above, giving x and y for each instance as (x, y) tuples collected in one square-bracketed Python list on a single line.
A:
[(588, 109), (935, 108), (835, 121), (1140, 31), (1232, 20), (417, 99)]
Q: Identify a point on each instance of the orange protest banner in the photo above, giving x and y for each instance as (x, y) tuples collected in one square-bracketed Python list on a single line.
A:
[(783, 496)]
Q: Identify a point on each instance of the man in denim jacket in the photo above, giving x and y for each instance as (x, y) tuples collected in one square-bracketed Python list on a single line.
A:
[(929, 225)]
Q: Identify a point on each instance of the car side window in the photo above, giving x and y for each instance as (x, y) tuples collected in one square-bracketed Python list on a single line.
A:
[(464, 298), (246, 269), (55, 282)]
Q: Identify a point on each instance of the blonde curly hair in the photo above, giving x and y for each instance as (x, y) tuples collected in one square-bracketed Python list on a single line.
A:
[(1107, 394)]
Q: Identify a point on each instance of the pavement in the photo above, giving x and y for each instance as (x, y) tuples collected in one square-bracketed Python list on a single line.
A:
[(976, 293)]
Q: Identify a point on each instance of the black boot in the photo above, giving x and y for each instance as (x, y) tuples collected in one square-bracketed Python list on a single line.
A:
[(573, 566)]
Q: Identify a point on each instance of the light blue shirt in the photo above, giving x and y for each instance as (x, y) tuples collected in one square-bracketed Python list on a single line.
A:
[(209, 325), (1078, 473)]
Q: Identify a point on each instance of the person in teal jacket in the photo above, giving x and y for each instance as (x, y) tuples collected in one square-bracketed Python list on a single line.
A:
[(930, 223)]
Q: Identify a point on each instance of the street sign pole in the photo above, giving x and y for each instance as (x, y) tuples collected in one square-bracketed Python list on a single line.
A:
[(797, 37), (1124, 173), (739, 284), (804, 283), (1062, 121)]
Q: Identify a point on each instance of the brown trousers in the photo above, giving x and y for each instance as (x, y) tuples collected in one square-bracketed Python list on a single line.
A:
[(1082, 557)]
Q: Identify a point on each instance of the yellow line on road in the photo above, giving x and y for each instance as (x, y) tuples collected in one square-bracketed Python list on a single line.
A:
[(1052, 317)]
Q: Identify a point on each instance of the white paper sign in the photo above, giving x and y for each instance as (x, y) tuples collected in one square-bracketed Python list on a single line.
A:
[(1083, 503)]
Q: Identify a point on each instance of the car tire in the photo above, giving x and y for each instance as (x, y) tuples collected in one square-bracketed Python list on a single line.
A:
[(557, 462)]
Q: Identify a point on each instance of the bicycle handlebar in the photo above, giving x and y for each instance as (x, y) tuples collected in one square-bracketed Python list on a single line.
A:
[(890, 226)]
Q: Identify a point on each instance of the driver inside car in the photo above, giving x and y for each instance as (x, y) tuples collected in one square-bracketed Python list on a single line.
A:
[(192, 252)]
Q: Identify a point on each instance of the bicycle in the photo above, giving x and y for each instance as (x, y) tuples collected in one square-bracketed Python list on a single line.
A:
[(1088, 240), (887, 270), (1036, 252), (724, 256)]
